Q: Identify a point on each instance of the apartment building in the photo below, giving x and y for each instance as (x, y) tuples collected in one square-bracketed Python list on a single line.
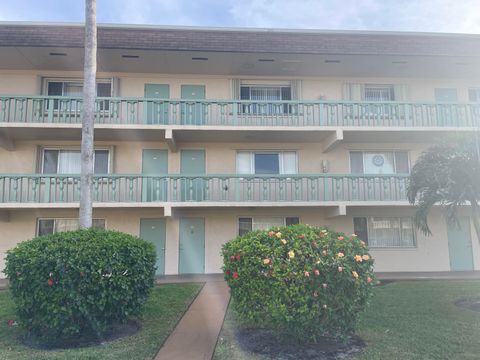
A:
[(203, 134)]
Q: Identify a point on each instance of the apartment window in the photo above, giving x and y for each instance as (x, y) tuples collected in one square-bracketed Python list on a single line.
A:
[(381, 232), (266, 162), (379, 93), (379, 162), (56, 161), (74, 88), (266, 93), (474, 95), (51, 226), (247, 224)]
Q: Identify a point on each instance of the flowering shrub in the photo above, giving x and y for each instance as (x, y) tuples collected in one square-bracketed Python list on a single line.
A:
[(299, 281), (79, 283)]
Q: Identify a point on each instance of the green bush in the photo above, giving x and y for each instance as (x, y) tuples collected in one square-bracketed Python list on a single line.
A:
[(79, 283), (300, 281)]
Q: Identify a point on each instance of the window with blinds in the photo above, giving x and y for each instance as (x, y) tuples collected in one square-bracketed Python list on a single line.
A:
[(266, 93), (265, 163), (59, 161), (51, 226), (381, 232), (379, 162), (247, 224), (74, 88), (379, 93)]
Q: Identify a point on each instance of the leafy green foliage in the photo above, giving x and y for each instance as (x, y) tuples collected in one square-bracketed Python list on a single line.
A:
[(300, 281), (79, 283), (447, 174)]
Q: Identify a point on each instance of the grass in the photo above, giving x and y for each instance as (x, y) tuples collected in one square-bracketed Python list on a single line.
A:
[(406, 321), (166, 305)]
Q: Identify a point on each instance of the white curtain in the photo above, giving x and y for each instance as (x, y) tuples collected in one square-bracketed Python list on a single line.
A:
[(390, 232), (379, 163), (244, 163), (69, 162), (289, 162), (266, 222)]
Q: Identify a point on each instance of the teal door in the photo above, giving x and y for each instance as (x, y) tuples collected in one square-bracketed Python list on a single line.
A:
[(192, 246), (446, 112), (154, 231), (193, 113), (154, 163), (460, 246), (192, 162), (156, 111)]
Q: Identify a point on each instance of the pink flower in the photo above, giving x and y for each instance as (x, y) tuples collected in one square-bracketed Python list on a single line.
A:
[(307, 274), (340, 269), (316, 272), (235, 275), (340, 238), (50, 281)]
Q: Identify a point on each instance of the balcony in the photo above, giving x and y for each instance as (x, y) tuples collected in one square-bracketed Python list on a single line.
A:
[(134, 190), (175, 121), (240, 113)]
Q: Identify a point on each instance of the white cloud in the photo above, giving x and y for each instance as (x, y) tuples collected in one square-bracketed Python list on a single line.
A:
[(405, 15), (393, 15)]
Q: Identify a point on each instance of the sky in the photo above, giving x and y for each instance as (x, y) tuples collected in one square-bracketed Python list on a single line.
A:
[(460, 16)]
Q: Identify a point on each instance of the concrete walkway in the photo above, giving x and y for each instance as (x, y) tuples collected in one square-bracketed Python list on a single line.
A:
[(195, 336)]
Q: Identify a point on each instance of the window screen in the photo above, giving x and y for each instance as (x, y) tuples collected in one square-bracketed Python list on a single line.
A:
[(385, 231)]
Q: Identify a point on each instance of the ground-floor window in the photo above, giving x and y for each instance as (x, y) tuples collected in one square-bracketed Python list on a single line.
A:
[(51, 226), (381, 232), (247, 224)]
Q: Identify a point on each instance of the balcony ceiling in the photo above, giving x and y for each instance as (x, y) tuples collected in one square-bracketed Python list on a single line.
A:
[(244, 52)]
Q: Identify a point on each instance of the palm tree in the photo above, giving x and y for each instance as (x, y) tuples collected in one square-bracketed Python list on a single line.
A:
[(447, 174), (89, 84)]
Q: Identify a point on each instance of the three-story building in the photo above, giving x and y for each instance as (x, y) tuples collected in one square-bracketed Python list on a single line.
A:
[(204, 134)]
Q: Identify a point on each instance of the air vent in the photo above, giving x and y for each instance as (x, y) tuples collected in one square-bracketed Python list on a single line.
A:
[(399, 62), (57, 54), (332, 61), (130, 56), (266, 60), (200, 58)]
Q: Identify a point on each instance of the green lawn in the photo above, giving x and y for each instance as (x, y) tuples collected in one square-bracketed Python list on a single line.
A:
[(406, 320), (163, 310)]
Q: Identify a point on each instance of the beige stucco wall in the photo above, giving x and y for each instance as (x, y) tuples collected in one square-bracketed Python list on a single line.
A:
[(430, 254), (220, 157), (218, 87)]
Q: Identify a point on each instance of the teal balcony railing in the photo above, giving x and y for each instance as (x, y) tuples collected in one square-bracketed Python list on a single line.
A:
[(204, 188), (67, 110)]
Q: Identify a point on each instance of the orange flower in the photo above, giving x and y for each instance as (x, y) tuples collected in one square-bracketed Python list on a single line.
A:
[(278, 235), (306, 273), (355, 274), (340, 254), (358, 258), (267, 261), (291, 254), (271, 233), (340, 269), (340, 238), (301, 236), (369, 279), (316, 272), (366, 257)]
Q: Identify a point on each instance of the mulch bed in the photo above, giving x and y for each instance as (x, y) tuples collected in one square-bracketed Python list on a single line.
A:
[(263, 342), (471, 303), (119, 331)]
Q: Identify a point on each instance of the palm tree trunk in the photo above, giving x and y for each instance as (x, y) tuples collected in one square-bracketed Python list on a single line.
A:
[(89, 75), (475, 219)]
